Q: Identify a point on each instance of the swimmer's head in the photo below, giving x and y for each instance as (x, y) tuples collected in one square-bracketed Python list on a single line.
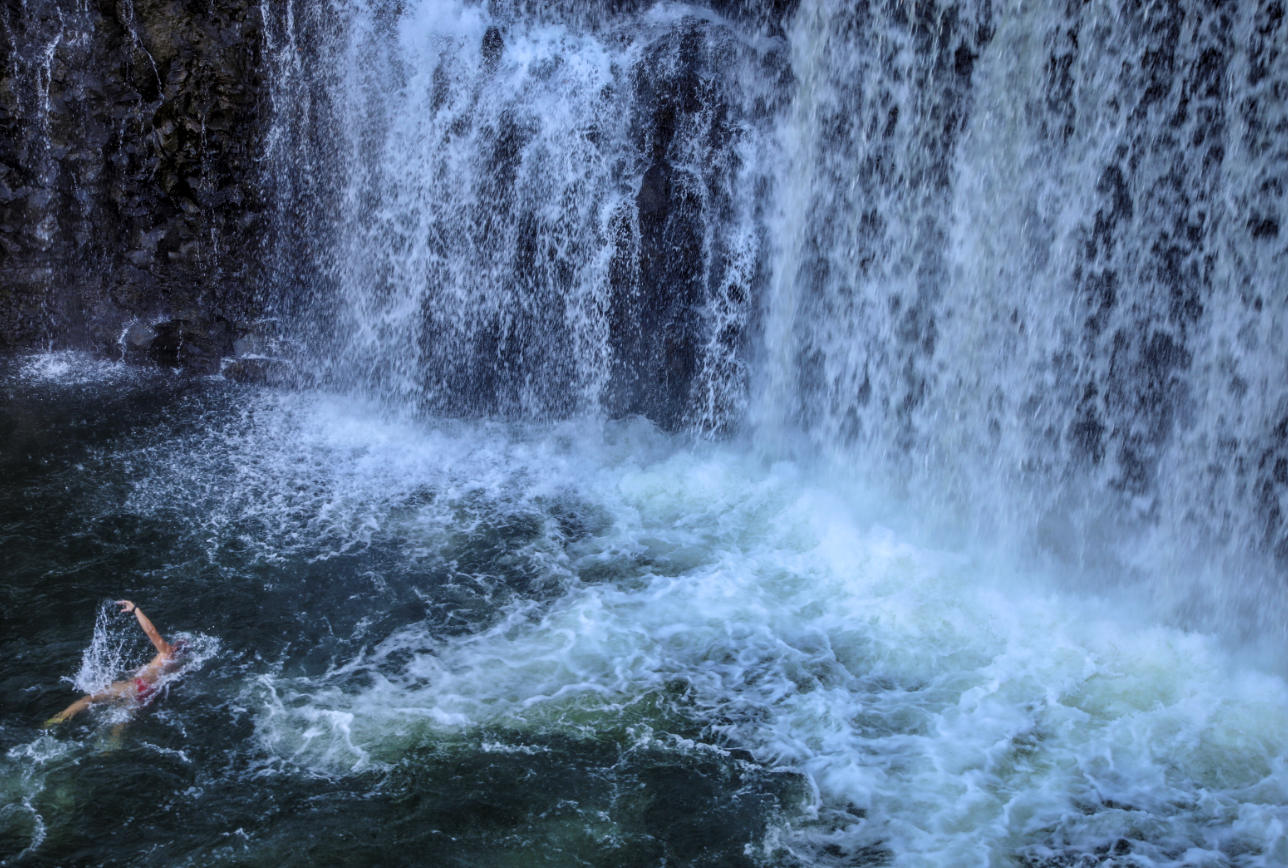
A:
[(179, 648)]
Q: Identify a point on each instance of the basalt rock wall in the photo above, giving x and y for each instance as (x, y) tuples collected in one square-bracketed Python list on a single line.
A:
[(131, 213)]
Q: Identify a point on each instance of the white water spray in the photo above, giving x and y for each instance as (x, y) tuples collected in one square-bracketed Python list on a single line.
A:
[(112, 646)]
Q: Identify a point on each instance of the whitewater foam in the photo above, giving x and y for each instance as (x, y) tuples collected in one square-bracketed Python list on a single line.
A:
[(963, 714)]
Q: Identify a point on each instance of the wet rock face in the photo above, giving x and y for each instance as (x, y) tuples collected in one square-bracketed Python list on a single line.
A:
[(679, 309), (196, 344), (129, 195)]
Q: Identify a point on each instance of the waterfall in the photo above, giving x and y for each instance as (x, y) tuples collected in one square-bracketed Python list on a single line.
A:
[(814, 432), (1025, 276), (542, 218), (1015, 264)]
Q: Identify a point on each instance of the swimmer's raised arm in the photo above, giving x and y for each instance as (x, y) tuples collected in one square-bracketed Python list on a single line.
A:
[(162, 646), (143, 684)]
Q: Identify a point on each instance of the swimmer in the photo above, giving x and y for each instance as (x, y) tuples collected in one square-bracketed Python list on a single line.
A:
[(143, 685)]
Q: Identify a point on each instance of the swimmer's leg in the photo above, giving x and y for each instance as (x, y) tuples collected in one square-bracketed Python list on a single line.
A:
[(72, 710), (114, 741)]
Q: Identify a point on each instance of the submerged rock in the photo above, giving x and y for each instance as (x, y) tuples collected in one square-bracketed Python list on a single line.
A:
[(263, 356), (257, 370), (197, 344), (260, 338), (136, 340)]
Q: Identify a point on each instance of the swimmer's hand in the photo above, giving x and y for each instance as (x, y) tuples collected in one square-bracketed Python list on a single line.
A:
[(54, 721), (126, 606)]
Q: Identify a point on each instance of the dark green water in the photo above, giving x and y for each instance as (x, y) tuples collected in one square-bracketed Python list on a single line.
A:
[(448, 642), (117, 483)]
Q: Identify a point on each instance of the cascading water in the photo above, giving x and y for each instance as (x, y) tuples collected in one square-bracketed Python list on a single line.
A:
[(842, 435), (1025, 277), (947, 244), (548, 219)]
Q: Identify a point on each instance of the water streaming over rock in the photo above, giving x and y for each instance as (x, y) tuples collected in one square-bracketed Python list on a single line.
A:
[(1013, 263), (1024, 272), (540, 216)]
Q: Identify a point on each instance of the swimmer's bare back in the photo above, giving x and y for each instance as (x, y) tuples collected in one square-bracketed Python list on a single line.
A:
[(142, 685)]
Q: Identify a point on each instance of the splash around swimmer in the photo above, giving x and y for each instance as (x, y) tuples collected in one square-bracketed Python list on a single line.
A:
[(143, 684)]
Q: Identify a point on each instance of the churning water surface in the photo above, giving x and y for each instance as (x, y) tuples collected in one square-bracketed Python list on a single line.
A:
[(446, 642)]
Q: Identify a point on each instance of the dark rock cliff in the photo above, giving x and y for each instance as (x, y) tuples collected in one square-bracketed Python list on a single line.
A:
[(130, 214)]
